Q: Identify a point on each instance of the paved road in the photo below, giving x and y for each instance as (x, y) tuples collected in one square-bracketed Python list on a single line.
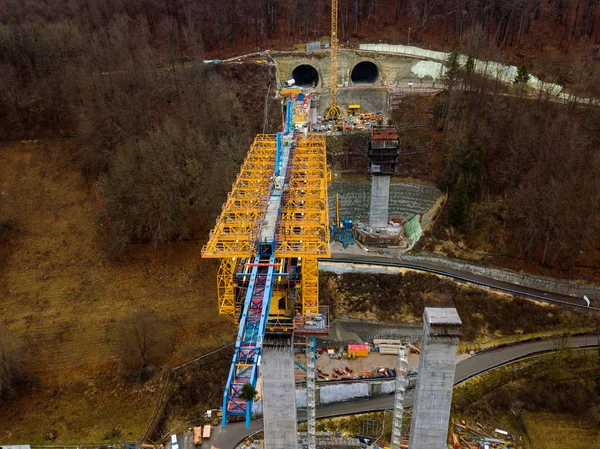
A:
[(465, 276), (231, 435)]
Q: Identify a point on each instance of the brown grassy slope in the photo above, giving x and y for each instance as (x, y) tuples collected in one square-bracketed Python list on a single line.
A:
[(62, 296), (555, 396), (555, 431)]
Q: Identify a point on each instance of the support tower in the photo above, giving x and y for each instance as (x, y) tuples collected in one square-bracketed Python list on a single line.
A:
[(384, 146), (431, 411)]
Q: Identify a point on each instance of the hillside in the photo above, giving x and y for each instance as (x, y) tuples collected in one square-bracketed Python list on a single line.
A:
[(63, 296)]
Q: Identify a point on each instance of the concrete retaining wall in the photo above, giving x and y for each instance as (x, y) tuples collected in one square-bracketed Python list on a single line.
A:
[(406, 200), (513, 277), (338, 393), (332, 393)]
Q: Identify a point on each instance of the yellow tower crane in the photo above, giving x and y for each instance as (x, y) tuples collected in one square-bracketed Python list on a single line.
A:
[(333, 111)]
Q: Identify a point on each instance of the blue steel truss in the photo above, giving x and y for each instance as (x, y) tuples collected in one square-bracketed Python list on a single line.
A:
[(248, 347), (253, 321), (289, 124)]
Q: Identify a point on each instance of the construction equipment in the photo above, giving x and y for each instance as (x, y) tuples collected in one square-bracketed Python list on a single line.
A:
[(354, 109), (333, 111), (270, 234)]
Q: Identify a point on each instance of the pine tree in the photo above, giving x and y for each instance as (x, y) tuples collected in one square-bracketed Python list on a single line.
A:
[(522, 75), (459, 201), (452, 72), (248, 392), (470, 65)]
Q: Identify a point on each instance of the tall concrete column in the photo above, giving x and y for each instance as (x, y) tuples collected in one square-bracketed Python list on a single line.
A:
[(433, 394), (380, 201), (279, 396)]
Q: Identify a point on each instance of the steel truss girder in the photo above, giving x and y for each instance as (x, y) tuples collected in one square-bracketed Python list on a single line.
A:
[(310, 286), (253, 321), (225, 288), (238, 225)]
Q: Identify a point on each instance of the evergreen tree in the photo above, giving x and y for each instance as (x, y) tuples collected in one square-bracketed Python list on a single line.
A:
[(470, 65), (248, 392), (452, 72), (522, 75), (459, 202)]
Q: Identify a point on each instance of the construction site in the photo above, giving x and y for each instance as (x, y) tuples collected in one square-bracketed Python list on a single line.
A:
[(331, 240), (279, 221), (269, 238)]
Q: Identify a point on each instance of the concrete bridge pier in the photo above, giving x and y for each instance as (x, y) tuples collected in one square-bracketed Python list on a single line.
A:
[(380, 201), (433, 394), (279, 394)]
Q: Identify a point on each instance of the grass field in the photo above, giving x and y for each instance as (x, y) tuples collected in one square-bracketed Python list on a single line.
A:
[(559, 431), (63, 296)]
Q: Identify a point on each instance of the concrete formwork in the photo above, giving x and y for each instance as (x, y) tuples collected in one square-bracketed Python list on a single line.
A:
[(437, 363), (380, 201), (279, 396)]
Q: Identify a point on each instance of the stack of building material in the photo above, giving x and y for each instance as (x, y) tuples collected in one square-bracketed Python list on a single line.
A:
[(388, 347)]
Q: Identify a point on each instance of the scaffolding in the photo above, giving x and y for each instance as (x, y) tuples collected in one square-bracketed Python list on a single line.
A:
[(311, 373), (303, 227), (226, 288), (401, 371), (237, 228)]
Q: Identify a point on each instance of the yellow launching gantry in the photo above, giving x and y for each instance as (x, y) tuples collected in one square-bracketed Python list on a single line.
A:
[(301, 232), (272, 230)]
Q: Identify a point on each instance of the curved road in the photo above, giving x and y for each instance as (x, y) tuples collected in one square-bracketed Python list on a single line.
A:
[(464, 276), (231, 435)]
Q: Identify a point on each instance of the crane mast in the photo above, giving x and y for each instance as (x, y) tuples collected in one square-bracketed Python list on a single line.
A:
[(333, 111)]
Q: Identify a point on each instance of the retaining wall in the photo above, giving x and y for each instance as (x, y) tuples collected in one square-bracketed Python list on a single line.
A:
[(340, 392), (406, 200), (513, 277)]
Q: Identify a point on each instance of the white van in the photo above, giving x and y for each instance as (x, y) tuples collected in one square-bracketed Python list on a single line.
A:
[(174, 443)]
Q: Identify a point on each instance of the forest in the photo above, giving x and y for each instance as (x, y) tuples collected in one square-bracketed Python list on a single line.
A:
[(158, 138), (522, 171), (122, 77)]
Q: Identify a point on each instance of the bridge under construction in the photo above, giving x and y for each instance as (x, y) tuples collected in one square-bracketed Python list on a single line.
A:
[(270, 234), (273, 229)]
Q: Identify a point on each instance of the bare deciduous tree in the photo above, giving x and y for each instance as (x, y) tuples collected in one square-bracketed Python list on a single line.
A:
[(144, 340)]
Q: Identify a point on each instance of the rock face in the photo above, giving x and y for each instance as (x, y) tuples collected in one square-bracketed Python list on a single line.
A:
[(406, 200)]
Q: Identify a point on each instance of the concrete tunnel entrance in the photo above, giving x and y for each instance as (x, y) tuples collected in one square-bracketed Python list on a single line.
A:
[(364, 73), (306, 76)]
